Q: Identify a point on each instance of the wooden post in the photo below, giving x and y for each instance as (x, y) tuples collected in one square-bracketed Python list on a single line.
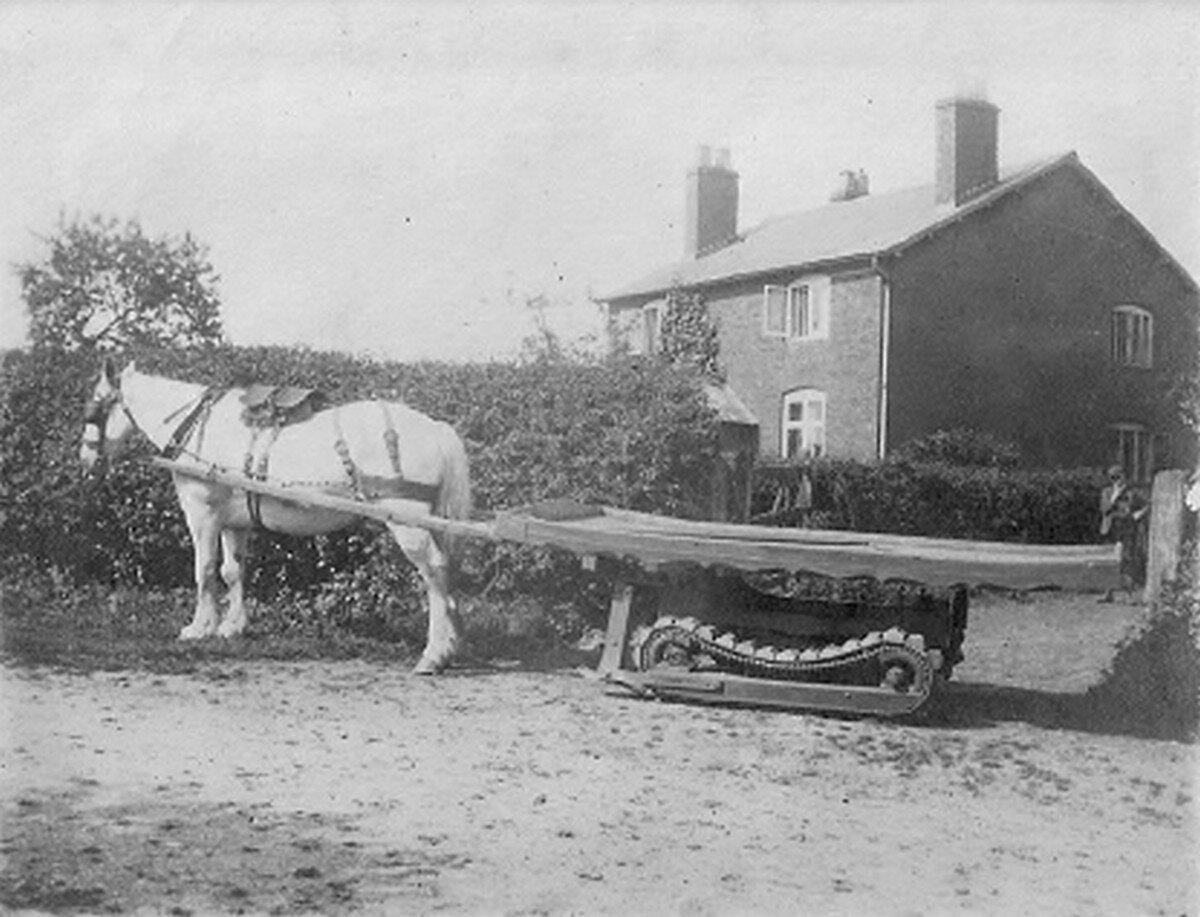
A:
[(1166, 531), (618, 628)]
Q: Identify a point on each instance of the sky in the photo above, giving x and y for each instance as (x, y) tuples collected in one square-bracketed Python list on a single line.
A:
[(402, 180)]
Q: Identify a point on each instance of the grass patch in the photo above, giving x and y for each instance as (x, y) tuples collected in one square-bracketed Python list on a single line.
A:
[(47, 621)]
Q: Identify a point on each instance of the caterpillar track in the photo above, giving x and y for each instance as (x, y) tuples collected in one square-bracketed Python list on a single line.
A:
[(893, 661), (794, 639)]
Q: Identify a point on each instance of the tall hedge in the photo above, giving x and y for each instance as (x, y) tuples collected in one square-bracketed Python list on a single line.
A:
[(936, 499), (627, 433)]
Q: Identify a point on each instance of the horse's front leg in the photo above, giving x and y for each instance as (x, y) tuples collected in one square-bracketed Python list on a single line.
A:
[(206, 542), (445, 632), (233, 544)]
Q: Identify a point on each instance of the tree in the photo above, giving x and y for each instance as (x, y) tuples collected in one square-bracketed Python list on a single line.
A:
[(105, 286)]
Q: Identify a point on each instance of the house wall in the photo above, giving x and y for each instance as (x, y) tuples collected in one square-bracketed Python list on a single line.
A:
[(845, 366), (1002, 324)]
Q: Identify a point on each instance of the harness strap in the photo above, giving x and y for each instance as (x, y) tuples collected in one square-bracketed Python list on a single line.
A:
[(391, 440), (366, 487), (343, 450), (183, 432), (257, 471)]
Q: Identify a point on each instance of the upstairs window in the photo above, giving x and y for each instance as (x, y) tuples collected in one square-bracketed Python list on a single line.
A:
[(803, 426), (1131, 336), (799, 311)]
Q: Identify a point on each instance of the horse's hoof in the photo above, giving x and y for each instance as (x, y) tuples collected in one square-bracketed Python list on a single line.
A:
[(227, 632), (427, 665), (190, 633)]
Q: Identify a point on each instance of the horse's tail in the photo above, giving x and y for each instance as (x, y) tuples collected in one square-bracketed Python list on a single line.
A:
[(454, 492)]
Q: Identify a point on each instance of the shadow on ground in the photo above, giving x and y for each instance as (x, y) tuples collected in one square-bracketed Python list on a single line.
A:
[(1107, 709)]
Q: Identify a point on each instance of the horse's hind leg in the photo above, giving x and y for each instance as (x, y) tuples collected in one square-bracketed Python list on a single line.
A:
[(233, 544), (445, 634), (206, 542)]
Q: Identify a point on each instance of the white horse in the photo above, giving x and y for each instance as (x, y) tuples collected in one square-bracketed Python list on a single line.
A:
[(382, 451)]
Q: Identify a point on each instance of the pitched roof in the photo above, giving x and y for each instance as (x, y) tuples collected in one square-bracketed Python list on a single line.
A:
[(729, 407), (871, 225)]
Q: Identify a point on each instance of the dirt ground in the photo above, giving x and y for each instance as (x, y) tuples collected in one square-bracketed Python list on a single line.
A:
[(271, 787)]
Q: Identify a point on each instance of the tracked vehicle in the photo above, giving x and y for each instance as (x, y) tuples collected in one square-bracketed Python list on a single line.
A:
[(741, 614)]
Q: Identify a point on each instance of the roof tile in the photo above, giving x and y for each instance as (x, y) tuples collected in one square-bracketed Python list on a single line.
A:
[(864, 226)]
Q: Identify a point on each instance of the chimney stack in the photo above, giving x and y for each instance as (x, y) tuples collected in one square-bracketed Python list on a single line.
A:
[(712, 203), (966, 148)]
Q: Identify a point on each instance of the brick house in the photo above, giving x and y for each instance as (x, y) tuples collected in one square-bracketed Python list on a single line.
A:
[(1027, 303)]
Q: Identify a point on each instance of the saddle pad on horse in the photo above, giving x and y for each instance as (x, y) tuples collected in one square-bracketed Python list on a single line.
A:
[(280, 405)]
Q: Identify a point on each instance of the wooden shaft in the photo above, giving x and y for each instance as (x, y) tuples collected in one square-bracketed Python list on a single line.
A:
[(306, 496)]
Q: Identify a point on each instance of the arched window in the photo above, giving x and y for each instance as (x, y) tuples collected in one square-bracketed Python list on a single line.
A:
[(1131, 336), (803, 424)]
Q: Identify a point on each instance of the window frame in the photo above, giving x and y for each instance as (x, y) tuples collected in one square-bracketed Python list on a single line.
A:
[(769, 330), (812, 435), (650, 327), (788, 322), (1131, 336)]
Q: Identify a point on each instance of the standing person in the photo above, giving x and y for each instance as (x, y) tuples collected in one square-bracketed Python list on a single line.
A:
[(1122, 510), (804, 499), (1108, 498)]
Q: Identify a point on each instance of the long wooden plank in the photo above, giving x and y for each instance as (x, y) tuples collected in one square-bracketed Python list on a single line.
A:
[(646, 522), (1089, 569)]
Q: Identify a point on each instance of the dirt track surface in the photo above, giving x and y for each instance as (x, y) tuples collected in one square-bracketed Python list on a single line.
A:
[(354, 787)]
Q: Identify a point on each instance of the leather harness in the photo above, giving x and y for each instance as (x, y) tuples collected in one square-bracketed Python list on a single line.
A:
[(361, 486)]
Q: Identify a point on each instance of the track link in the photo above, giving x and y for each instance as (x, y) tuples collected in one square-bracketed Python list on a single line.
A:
[(891, 660)]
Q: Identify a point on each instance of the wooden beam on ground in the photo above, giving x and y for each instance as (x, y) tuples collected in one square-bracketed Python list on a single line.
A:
[(741, 690)]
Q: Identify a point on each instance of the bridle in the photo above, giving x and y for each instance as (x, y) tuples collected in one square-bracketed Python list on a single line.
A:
[(99, 408), (96, 413)]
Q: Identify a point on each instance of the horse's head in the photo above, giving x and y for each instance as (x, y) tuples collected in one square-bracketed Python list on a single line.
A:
[(106, 420)]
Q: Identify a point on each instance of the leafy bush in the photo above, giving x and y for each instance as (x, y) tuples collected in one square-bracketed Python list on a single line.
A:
[(1152, 686), (937, 499), (962, 447)]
